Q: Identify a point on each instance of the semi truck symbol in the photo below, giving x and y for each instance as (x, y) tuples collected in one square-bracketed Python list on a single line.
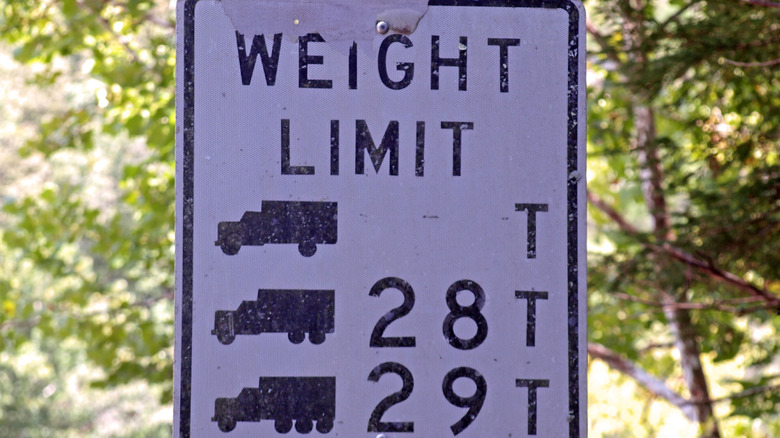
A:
[(282, 399), (295, 312), (305, 223)]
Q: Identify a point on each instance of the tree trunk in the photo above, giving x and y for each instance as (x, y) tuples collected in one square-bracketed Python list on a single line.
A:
[(690, 360), (652, 175)]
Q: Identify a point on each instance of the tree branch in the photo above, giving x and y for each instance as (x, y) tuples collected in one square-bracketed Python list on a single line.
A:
[(742, 394), (679, 12), (766, 3), (656, 346), (704, 266), (723, 305), (753, 64), (648, 381), (601, 40), (612, 213), (708, 268)]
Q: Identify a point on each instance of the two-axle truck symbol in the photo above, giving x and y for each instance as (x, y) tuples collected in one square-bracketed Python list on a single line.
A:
[(295, 312), (282, 399), (305, 223)]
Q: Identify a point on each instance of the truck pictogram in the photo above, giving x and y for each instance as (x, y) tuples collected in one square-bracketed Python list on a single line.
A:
[(284, 400), (295, 312), (305, 223)]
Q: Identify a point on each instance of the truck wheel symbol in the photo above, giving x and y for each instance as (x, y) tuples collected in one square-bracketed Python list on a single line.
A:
[(304, 425), (296, 337), (283, 425), (307, 248), (324, 425), (224, 327), (231, 243), (225, 339), (317, 338), (226, 424)]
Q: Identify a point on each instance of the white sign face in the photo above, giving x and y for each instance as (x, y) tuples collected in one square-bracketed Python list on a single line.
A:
[(386, 240)]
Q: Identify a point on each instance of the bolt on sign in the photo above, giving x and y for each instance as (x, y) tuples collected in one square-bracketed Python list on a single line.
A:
[(380, 219)]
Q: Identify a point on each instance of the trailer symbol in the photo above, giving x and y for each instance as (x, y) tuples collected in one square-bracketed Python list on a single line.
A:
[(304, 223), (282, 399), (295, 312)]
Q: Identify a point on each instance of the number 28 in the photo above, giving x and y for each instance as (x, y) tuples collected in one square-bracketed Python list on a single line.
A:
[(457, 311)]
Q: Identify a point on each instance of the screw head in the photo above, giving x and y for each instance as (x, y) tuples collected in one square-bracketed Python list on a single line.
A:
[(382, 27)]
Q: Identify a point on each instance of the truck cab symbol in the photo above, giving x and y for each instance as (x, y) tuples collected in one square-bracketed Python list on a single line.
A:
[(305, 223), (284, 400), (295, 312)]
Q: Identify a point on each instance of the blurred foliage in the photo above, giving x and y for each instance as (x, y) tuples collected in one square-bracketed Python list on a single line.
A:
[(87, 249), (109, 266), (709, 73), (87, 243)]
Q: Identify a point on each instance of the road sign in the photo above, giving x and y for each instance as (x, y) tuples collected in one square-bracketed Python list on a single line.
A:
[(380, 235)]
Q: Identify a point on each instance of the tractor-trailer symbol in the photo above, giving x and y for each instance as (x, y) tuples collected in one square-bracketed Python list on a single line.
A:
[(282, 399), (305, 223), (295, 312)]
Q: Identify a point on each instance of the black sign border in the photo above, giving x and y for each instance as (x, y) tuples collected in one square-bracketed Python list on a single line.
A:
[(187, 202)]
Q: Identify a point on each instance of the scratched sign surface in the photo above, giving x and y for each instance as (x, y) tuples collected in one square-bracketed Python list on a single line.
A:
[(385, 237)]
